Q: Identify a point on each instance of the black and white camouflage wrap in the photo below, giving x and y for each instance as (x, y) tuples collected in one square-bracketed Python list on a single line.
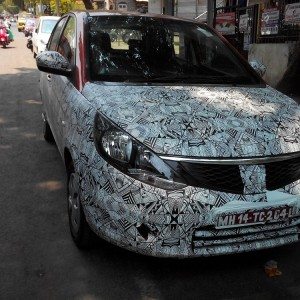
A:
[(187, 121)]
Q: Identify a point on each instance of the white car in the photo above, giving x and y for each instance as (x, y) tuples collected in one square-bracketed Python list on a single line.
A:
[(42, 33)]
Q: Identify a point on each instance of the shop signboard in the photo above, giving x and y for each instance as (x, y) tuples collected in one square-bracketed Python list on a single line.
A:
[(225, 23), (269, 21), (243, 23), (246, 41), (292, 13)]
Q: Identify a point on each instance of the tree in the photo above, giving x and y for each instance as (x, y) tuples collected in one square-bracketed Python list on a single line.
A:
[(64, 6), (88, 4)]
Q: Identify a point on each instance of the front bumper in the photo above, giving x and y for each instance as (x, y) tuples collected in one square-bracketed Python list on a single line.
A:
[(181, 223)]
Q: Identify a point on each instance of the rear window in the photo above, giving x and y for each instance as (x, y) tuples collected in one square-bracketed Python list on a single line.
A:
[(48, 25)]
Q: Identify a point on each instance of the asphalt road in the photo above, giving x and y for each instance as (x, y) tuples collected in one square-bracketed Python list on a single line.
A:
[(38, 259)]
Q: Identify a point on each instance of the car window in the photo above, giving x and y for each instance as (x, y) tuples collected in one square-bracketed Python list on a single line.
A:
[(47, 26), (38, 26), (132, 48), (54, 39), (67, 42)]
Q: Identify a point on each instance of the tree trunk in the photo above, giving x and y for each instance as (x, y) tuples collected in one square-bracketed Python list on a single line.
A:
[(88, 4)]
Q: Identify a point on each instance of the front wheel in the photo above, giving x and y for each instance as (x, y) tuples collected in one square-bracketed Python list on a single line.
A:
[(81, 233)]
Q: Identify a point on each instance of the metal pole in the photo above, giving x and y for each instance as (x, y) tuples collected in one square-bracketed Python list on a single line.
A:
[(211, 5)]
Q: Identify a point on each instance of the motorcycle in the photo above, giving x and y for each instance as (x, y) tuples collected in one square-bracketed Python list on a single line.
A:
[(29, 42), (4, 37)]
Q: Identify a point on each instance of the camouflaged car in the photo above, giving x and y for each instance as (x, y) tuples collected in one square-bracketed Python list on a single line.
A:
[(173, 145)]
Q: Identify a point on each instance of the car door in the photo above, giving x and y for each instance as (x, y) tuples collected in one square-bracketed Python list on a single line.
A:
[(46, 83), (62, 86)]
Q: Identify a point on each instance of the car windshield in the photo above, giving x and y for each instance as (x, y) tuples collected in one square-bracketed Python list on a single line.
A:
[(48, 25), (147, 49)]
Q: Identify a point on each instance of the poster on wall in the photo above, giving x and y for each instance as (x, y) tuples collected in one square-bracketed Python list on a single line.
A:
[(269, 21), (292, 13), (225, 23), (246, 41), (243, 23)]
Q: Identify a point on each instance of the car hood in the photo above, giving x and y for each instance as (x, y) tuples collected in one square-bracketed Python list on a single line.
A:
[(202, 121)]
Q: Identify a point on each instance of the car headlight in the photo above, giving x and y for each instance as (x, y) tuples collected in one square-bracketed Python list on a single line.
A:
[(131, 157)]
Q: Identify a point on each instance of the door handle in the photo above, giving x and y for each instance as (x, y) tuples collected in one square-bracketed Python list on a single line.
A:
[(48, 77)]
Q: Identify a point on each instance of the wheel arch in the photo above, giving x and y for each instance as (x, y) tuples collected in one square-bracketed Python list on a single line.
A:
[(69, 163)]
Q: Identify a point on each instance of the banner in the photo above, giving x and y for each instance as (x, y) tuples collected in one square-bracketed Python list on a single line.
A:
[(225, 23), (243, 23), (269, 21), (292, 14)]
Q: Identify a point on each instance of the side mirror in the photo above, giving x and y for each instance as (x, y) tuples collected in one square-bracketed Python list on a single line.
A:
[(259, 67), (54, 63)]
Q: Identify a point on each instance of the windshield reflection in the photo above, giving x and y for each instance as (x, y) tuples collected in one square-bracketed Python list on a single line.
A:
[(146, 49)]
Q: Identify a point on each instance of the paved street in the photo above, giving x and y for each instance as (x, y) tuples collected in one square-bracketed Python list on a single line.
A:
[(38, 259)]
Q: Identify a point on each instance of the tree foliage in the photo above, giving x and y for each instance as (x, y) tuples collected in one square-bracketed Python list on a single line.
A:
[(65, 6)]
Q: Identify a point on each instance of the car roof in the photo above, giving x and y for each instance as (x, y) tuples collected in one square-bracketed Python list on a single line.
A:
[(49, 18), (96, 13)]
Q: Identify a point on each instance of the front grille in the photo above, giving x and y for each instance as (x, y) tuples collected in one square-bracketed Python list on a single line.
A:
[(211, 241), (281, 173), (227, 178)]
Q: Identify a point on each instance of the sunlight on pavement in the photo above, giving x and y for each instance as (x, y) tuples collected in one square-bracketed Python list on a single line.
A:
[(16, 70), (5, 147), (12, 128), (29, 135), (33, 102), (50, 185)]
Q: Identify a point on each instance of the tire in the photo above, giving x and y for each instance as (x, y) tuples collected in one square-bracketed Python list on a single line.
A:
[(82, 235), (47, 133)]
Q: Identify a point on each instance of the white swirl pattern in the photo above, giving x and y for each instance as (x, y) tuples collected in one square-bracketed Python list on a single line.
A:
[(189, 121)]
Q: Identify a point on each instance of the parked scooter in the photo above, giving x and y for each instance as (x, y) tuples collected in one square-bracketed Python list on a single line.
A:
[(29, 42), (4, 36)]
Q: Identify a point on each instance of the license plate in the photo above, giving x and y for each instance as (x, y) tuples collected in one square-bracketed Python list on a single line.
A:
[(253, 217)]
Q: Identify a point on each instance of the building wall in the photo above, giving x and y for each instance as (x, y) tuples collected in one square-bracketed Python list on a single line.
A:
[(275, 57), (155, 6), (130, 4), (191, 9), (113, 4)]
